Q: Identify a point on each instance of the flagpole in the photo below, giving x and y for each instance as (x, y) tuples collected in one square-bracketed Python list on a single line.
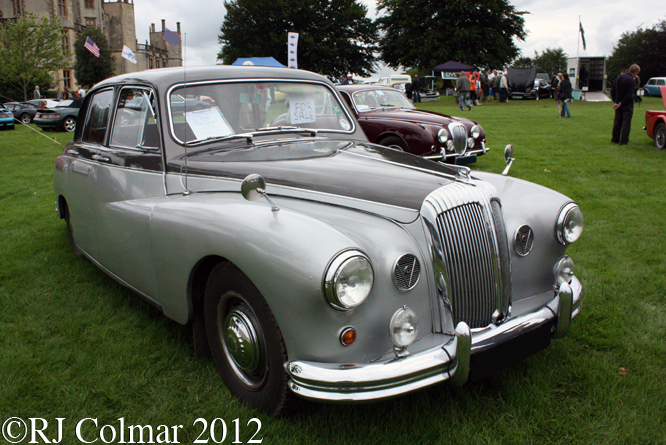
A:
[(578, 56)]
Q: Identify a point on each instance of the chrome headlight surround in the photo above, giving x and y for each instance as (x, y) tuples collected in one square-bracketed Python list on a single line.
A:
[(442, 136), (348, 280), (569, 224), (475, 132)]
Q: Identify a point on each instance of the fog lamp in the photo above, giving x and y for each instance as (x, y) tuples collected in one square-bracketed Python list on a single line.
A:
[(470, 142), (404, 327), (563, 271)]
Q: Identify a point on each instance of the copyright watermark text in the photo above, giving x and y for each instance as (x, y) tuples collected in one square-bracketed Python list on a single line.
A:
[(37, 430)]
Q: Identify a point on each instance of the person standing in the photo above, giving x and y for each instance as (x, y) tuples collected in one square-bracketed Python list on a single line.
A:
[(36, 94), (504, 89), (622, 94), (565, 95), (554, 83), (462, 87), (348, 81), (472, 89), (416, 88), (81, 92)]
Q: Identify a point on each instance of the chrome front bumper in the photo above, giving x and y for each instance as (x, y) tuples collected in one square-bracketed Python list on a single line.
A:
[(334, 382)]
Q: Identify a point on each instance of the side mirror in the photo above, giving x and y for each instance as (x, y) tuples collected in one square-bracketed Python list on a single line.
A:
[(508, 158), (254, 188)]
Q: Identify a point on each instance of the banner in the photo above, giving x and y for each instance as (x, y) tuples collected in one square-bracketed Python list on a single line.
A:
[(128, 54), (292, 50)]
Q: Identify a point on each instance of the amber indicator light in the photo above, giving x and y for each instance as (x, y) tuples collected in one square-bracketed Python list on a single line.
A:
[(348, 336)]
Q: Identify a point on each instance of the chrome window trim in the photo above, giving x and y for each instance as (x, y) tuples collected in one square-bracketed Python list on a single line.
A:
[(185, 85)]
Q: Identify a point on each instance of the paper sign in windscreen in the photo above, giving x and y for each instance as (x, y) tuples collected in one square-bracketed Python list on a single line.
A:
[(302, 108), (208, 123)]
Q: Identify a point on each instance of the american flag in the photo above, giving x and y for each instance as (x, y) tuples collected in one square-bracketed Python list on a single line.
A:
[(91, 46)]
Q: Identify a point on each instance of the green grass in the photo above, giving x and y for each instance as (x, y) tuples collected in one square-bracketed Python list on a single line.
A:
[(74, 344)]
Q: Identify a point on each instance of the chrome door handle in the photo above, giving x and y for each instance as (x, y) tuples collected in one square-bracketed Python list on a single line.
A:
[(100, 158)]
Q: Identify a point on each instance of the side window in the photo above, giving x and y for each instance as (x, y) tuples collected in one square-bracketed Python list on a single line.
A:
[(135, 125), (97, 119), (661, 82)]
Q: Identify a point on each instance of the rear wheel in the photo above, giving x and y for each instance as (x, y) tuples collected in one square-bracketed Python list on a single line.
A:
[(69, 124), (660, 136), (245, 341), (394, 142), (25, 118)]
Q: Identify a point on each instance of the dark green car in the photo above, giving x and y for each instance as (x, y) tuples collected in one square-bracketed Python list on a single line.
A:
[(61, 117)]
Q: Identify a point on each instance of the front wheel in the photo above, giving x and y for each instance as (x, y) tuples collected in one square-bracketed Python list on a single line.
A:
[(245, 341), (660, 136), (394, 142), (69, 125)]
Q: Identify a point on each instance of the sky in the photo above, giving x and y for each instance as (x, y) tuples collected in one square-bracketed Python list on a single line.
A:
[(549, 24)]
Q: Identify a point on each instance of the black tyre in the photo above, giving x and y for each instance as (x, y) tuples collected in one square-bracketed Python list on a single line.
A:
[(25, 118), (394, 142), (70, 233), (245, 341), (69, 124), (660, 135)]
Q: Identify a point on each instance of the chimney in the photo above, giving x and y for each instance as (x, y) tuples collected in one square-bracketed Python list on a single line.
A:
[(152, 26), (178, 27), (163, 28)]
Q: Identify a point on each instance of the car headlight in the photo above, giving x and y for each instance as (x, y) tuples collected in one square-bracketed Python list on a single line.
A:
[(442, 135), (563, 271), (348, 280), (476, 132), (404, 327), (569, 224)]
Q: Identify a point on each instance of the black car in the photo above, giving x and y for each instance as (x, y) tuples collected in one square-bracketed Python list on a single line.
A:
[(22, 111)]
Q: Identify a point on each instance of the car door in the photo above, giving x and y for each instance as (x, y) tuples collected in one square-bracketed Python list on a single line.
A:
[(129, 181)]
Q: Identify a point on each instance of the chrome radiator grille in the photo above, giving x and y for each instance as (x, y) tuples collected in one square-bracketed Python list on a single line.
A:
[(472, 250), (459, 137)]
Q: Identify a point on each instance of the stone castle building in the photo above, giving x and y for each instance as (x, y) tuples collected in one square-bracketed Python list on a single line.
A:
[(115, 18)]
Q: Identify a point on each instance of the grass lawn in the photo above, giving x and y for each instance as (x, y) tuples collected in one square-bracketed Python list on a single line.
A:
[(76, 345)]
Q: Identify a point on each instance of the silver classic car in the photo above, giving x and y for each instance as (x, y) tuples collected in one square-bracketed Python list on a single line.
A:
[(308, 261)]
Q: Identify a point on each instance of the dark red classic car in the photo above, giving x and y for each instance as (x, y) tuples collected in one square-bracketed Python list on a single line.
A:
[(389, 118), (655, 123)]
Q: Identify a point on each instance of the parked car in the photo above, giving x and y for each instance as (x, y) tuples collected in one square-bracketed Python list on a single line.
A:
[(429, 92), (651, 87), (655, 123), (44, 103), (62, 117), (308, 261), (389, 118), (23, 111), (6, 118)]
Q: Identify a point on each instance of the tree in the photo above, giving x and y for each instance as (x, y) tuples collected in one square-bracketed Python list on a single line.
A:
[(89, 69), (335, 36), (425, 33), (646, 47), (31, 48), (551, 61), (523, 62)]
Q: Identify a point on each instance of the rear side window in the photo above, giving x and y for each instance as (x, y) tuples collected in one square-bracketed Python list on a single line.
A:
[(97, 119)]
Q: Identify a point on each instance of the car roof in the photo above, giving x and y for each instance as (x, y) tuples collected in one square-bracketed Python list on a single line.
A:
[(164, 77)]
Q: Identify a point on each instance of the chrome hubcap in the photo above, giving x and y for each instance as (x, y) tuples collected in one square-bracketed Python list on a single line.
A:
[(242, 340)]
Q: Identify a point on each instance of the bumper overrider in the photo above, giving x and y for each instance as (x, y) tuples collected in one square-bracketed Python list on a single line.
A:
[(334, 382)]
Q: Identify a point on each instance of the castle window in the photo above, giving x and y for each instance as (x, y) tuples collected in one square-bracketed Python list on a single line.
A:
[(65, 41), (90, 21), (89, 4), (62, 8), (67, 79)]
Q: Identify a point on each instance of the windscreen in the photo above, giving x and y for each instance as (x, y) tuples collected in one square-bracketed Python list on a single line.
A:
[(216, 110)]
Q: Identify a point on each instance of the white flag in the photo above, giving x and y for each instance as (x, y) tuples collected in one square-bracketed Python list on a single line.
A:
[(128, 54), (292, 50)]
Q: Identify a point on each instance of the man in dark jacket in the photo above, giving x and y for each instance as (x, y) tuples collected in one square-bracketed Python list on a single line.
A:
[(554, 83), (622, 94), (416, 88)]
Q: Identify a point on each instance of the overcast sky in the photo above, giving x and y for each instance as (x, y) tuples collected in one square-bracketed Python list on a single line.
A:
[(549, 24)]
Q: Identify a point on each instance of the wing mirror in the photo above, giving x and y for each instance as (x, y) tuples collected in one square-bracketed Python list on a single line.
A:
[(508, 158), (254, 188)]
